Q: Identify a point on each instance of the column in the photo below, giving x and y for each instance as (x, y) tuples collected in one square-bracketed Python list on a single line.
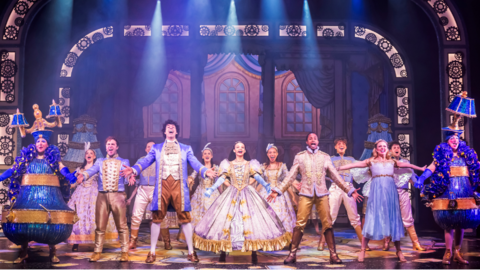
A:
[(198, 63), (268, 82)]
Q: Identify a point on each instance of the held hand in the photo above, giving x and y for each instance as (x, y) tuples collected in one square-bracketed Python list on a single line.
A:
[(297, 185), (131, 180), (356, 196), (128, 201), (423, 168), (272, 196), (211, 173), (190, 181), (80, 178), (226, 183), (209, 192), (126, 171)]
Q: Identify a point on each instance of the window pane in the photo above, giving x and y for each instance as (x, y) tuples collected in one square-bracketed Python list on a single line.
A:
[(231, 97), (174, 116), (223, 87), (241, 97), (308, 128), (223, 97), (232, 89), (223, 128), (156, 128), (299, 107), (294, 81), (173, 87), (290, 127), (290, 87), (308, 107), (299, 117), (240, 107), (240, 127), (223, 107), (174, 97), (241, 117), (299, 127), (165, 107), (308, 117), (290, 107), (231, 107), (235, 82), (230, 118), (173, 107), (290, 118), (164, 97), (227, 82), (156, 108), (231, 128), (223, 118), (240, 87), (290, 96), (165, 117), (298, 96), (156, 118)]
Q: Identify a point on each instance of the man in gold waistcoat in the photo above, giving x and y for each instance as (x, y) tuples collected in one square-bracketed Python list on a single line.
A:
[(313, 165)]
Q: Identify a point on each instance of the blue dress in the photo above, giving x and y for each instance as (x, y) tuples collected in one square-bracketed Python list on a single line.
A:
[(383, 217), (30, 221), (459, 187)]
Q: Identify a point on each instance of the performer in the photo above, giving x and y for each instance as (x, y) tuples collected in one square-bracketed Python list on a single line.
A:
[(338, 196), (201, 203), (455, 176), (274, 173), (240, 219), (404, 198), (171, 159), (313, 165), (111, 197), (83, 200), (38, 191), (383, 218)]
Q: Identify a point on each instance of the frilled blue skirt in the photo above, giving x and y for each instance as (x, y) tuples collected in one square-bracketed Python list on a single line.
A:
[(383, 217)]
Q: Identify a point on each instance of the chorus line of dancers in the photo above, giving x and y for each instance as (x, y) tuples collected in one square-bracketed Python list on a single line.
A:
[(239, 204)]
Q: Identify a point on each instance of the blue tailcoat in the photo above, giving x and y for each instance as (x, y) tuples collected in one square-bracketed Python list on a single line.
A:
[(155, 155)]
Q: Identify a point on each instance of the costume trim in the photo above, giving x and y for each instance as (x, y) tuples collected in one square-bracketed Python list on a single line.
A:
[(248, 245), (38, 216), (40, 180), (458, 171), (461, 204)]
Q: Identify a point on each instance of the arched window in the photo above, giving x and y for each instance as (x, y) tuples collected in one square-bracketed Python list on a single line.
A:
[(231, 106), (300, 115), (164, 108)]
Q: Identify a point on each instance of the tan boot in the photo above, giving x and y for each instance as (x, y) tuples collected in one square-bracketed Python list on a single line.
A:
[(321, 243), (166, 238), (133, 239), (296, 239), (330, 239), (23, 254), (53, 254), (413, 235), (447, 257), (457, 257), (386, 244), (124, 257), (95, 256), (358, 231)]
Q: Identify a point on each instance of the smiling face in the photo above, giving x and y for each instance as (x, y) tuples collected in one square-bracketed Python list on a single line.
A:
[(396, 150), (454, 141), (90, 156), (171, 132), (41, 144), (272, 154), (112, 147), (312, 141), (207, 156), (239, 149), (149, 147), (381, 148), (341, 147)]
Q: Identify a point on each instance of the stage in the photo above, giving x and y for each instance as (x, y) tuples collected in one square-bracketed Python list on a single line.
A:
[(308, 257)]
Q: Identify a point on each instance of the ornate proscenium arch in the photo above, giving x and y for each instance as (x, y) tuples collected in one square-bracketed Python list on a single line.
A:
[(16, 19), (83, 44)]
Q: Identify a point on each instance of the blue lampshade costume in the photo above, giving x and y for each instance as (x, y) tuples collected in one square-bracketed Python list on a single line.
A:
[(453, 182), (38, 194)]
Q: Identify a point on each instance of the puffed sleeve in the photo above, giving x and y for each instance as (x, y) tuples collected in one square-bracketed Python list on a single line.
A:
[(224, 168), (255, 167)]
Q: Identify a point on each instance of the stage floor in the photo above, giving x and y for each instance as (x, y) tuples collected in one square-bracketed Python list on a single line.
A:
[(307, 258)]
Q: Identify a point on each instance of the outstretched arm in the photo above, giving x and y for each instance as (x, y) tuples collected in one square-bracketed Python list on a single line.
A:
[(360, 164), (409, 165), (425, 175), (7, 174), (217, 184), (262, 182)]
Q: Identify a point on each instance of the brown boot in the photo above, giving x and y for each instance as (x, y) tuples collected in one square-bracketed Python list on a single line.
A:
[(23, 254), (124, 257), (151, 258), (296, 239), (193, 257), (413, 235), (330, 239), (321, 243), (254, 257), (223, 256), (95, 256), (166, 238), (358, 231), (133, 240), (447, 257), (53, 254), (457, 257), (386, 244)]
